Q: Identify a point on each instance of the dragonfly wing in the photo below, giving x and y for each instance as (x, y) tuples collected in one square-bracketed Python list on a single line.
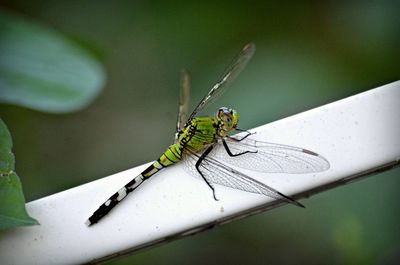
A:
[(270, 157), (183, 100), (218, 173), (230, 74)]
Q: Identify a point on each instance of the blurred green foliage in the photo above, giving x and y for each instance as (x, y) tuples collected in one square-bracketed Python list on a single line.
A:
[(308, 54), (41, 70), (12, 201)]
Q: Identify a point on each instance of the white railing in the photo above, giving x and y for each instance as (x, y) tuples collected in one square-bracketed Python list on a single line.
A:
[(359, 136)]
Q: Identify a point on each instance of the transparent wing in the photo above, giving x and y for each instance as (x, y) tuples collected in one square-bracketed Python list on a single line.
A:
[(217, 173), (270, 157), (183, 100), (230, 74)]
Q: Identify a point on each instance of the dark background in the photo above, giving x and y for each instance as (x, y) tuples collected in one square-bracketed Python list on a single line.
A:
[(307, 55)]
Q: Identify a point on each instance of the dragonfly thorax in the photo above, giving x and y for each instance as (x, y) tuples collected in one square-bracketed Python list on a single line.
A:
[(226, 120)]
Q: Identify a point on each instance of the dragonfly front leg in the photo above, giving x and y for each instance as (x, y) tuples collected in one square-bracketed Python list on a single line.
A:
[(198, 163), (244, 137), (232, 154)]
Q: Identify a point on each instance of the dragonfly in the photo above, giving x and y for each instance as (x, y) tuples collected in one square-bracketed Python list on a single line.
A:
[(209, 148)]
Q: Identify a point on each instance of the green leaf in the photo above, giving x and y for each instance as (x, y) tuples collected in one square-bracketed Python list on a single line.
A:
[(42, 70), (12, 202)]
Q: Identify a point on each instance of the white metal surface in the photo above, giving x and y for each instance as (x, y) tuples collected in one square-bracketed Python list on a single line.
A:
[(358, 135)]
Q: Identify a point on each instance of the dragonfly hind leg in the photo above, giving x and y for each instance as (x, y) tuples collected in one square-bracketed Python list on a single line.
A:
[(198, 163)]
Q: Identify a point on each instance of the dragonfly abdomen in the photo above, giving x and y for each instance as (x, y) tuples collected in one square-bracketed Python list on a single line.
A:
[(169, 157), (172, 155), (116, 198)]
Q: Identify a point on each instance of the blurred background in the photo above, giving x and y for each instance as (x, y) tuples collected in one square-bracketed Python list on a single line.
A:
[(307, 55)]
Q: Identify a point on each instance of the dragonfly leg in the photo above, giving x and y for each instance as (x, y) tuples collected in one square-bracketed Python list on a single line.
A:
[(232, 154), (208, 150), (244, 137)]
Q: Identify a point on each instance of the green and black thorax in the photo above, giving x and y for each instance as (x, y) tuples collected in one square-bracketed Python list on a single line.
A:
[(202, 131)]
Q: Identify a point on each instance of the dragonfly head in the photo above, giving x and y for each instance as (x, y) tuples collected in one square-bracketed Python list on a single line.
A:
[(227, 120)]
